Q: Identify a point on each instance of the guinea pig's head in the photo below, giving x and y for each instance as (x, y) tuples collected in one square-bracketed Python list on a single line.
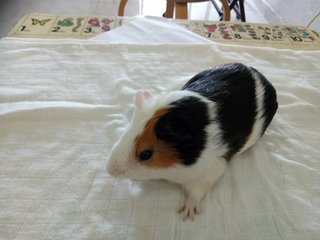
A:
[(158, 138)]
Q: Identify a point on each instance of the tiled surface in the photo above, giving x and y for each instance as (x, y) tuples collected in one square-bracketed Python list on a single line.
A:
[(12, 10)]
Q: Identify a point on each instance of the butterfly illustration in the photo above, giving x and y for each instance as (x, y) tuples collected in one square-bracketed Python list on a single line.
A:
[(41, 22)]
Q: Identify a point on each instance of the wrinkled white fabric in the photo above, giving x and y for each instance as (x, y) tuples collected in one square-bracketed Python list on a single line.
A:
[(64, 103), (150, 30)]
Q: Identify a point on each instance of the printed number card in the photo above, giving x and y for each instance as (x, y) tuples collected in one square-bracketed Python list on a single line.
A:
[(299, 34), (216, 31), (273, 34), (36, 25), (68, 26), (259, 34), (96, 25), (52, 26), (244, 32)]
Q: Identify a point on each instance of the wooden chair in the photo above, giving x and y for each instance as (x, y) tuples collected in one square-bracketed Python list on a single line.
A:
[(121, 7), (181, 8), (235, 5)]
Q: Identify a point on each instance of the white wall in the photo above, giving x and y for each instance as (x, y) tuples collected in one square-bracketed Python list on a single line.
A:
[(292, 12)]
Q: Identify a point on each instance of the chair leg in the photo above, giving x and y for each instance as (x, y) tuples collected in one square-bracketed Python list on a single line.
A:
[(243, 16), (226, 10), (121, 7), (238, 8), (169, 9), (181, 10), (218, 9)]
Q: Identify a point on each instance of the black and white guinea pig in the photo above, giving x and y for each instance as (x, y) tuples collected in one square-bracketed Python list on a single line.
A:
[(188, 136)]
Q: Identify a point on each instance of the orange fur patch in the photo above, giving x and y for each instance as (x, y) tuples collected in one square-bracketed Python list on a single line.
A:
[(163, 156)]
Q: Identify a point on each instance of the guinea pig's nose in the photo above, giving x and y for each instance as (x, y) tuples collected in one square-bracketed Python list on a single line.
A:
[(115, 170)]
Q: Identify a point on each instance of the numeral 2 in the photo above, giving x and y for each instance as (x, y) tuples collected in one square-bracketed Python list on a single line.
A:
[(55, 29)]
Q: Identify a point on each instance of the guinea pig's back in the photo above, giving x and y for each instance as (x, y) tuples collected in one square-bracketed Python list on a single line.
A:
[(246, 103)]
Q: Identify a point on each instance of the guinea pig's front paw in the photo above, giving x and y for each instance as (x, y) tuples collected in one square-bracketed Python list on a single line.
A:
[(189, 209)]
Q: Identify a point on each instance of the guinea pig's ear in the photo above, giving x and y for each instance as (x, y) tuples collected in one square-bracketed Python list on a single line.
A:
[(141, 98), (173, 129)]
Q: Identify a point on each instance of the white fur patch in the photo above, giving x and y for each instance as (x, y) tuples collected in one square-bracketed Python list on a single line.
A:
[(259, 119)]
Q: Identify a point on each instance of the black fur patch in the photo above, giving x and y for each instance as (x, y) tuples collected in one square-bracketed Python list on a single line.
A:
[(232, 87), (183, 128)]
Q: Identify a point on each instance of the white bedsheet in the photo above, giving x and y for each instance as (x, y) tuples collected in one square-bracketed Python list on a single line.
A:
[(64, 103), (150, 30)]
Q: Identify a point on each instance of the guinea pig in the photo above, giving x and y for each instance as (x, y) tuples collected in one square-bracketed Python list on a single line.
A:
[(188, 136)]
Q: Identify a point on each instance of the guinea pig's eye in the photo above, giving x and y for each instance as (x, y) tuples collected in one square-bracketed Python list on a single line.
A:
[(145, 155)]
